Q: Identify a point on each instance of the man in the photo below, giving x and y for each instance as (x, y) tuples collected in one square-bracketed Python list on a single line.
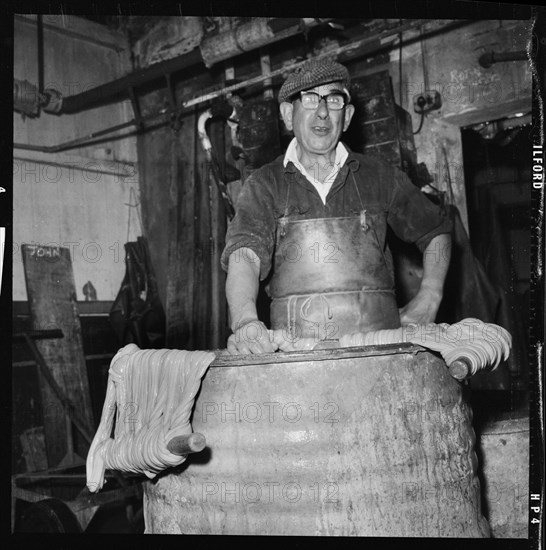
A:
[(314, 223)]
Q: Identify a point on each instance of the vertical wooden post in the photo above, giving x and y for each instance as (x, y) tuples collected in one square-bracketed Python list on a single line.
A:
[(156, 200), (180, 331), (218, 237), (185, 225)]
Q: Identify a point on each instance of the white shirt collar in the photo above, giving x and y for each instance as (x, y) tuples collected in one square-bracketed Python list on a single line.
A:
[(292, 155), (323, 188)]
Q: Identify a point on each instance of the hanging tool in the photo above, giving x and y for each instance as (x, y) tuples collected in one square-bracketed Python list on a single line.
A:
[(224, 110)]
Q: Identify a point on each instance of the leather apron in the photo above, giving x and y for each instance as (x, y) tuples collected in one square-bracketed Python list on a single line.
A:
[(331, 276)]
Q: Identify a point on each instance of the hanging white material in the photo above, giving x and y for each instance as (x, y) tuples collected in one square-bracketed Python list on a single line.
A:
[(151, 393)]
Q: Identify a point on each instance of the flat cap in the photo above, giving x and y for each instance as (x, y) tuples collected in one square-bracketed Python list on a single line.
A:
[(314, 72)]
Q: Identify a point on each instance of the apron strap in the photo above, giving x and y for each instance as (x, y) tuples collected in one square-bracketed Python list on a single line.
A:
[(284, 219), (287, 198), (366, 225), (357, 191)]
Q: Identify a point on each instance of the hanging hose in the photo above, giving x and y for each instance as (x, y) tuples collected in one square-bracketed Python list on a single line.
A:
[(420, 123), (421, 102), (219, 110)]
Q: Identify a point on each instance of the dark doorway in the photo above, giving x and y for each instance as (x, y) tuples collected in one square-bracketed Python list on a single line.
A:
[(497, 170)]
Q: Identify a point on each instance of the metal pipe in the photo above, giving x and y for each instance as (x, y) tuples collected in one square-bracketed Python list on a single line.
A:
[(40, 39), (246, 37), (489, 58), (460, 368), (185, 444), (126, 169), (26, 97), (364, 47), (280, 24), (249, 36), (120, 88), (361, 48), (202, 133), (78, 142)]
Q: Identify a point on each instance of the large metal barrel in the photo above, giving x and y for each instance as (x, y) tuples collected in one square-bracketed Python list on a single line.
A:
[(504, 449), (356, 441)]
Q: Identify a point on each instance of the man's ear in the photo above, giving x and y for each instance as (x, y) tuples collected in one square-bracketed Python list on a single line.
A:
[(286, 113), (349, 112)]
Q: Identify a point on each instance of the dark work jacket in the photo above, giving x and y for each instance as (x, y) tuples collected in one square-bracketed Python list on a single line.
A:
[(382, 188)]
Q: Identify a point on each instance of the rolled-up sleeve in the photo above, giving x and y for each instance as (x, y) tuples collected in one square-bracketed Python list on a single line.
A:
[(253, 225), (412, 216)]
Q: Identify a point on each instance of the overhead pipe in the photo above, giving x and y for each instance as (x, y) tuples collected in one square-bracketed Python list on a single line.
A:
[(366, 47), (258, 32), (117, 89), (488, 59), (246, 37), (212, 50), (88, 139)]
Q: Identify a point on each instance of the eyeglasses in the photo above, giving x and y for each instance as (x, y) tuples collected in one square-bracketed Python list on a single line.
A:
[(334, 100)]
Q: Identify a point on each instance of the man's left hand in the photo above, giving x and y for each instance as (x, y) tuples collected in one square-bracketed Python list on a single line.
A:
[(422, 309)]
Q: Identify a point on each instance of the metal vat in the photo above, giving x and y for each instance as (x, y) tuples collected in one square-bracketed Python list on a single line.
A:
[(356, 441), (504, 449)]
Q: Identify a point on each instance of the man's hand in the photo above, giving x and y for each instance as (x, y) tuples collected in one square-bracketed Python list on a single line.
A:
[(422, 309), (251, 336), (281, 339)]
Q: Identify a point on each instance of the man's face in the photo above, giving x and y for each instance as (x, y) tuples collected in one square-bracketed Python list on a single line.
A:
[(317, 130)]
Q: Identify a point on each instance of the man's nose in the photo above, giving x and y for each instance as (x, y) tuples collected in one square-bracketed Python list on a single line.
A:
[(322, 109)]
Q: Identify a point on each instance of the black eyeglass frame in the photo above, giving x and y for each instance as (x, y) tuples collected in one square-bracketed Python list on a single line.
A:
[(300, 94)]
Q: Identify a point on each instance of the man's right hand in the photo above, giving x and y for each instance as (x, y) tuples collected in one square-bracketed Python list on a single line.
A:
[(251, 337)]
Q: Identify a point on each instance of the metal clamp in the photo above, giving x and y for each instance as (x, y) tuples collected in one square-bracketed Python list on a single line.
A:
[(363, 220)]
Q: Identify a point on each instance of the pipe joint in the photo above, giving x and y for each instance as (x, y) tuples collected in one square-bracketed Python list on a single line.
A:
[(26, 98), (54, 101)]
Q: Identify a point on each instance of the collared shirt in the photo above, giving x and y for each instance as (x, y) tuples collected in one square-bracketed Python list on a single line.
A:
[(323, 188), (363, 182)]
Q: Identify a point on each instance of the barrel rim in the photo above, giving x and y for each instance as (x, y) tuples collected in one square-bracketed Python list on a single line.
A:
[(501, 426), (224, 360)]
